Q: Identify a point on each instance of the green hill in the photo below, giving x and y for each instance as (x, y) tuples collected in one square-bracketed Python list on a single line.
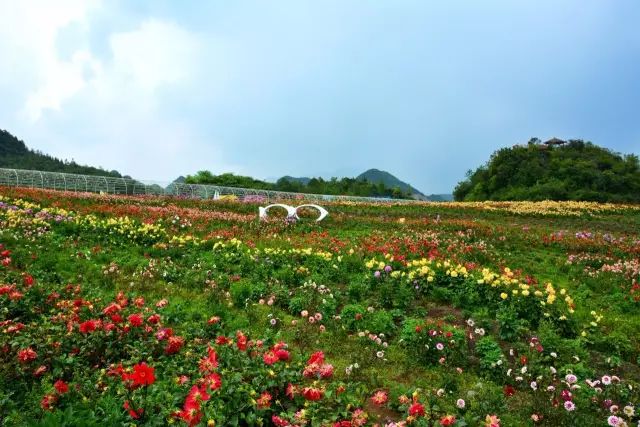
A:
[(15, 154), (554, 170), (377, 176)]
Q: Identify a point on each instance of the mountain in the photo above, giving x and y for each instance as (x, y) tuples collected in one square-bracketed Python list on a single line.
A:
[(376, 176), (302, 180), (554, 170), (440, 197), (15, 154)]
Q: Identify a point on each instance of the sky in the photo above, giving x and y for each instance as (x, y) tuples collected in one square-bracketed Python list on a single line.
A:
[(425, 90)]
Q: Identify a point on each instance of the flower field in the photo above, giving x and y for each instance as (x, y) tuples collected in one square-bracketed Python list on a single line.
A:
[(152, 311)]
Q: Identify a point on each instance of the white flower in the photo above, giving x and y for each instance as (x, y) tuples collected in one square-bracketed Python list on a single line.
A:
[(534, 385), (629, 411), (471, 323), (606, 379), (380, 354), (460, 403), (571, 379)]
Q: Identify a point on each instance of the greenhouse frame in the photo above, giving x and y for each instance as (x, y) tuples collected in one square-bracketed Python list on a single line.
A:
[(128, 186)]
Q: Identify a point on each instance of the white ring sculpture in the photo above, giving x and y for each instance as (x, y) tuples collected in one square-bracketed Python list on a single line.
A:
[(293, 212)]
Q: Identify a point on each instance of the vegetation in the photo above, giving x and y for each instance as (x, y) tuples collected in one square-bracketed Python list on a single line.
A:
[(334, 186), (119, 310), (14, 154), (555, 170)]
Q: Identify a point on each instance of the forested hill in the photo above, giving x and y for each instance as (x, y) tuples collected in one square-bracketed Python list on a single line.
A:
[(334, 186), (554, 170), (15, 154)]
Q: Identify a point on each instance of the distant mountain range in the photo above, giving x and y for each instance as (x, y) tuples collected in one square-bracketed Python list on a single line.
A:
[(376, 176)]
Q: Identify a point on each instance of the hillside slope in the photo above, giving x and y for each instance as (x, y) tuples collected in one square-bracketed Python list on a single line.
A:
[(16, 155), (376, 176)]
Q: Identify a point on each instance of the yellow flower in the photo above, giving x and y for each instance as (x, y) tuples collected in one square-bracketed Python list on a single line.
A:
[(504, 295)]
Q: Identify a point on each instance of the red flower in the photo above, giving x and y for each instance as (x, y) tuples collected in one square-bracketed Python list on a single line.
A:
[(112, 308), (270, 358), (311, 393), (317, 358), (61, 387), (280, 422), (214, 381), (142, 375), (89, 326), (380, 397), (41, 370), (326, 370), (448, 420), (196, 396), (241, 342), (291, 391), (164, 333), (191, 416), (47, 402), (509, 390), (154, 319), (283, 354), (27, 355), (135, 319), (174, 345), (209, 363), (222, 340), (133, 414), (416, 409), (264, 401), (27, 280)]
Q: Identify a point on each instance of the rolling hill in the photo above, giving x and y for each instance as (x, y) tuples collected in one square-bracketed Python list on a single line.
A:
[(16, 155)]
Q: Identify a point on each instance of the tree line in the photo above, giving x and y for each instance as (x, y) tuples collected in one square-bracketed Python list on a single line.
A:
[(333, 186)]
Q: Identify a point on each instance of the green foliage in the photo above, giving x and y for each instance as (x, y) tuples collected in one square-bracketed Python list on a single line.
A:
[(490, 354), (577, 170)]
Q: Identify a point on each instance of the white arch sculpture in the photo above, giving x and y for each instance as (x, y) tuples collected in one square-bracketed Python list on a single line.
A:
[(293, 212), (323, 211)]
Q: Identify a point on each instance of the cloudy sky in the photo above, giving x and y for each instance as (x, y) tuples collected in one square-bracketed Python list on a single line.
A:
[(425, 90)]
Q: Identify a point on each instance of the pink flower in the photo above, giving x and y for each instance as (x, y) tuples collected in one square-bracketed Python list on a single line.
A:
[(569, 406), (613, 421)]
